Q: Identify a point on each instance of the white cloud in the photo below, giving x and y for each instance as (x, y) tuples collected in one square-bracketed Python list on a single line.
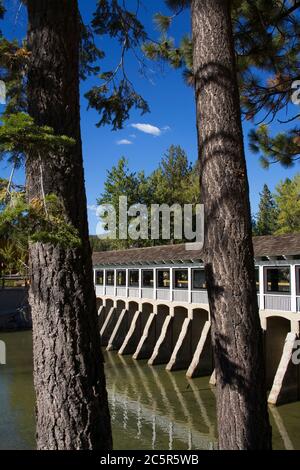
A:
[(124, 142), (132, 136), (147, 129)]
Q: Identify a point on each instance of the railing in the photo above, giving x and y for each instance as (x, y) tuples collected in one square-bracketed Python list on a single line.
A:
[(121, 291), (147, 293), (278, 302), (199, 297), (133, 292), (14, 280), (181, 295), (100, 290), (163, 294), (109, 290)]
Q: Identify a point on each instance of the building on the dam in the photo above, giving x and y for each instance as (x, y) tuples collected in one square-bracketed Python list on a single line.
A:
[(153, 305)]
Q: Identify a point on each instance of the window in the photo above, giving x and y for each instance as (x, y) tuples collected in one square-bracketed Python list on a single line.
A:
[(163, 278), (121, 278), (147, 278), (99, 278), (199, 281), (110, 278), (278, 280), (134, 278), (257, 279), (298, 280), (181, 279)]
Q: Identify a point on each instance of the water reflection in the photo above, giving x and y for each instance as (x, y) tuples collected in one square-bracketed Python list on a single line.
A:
[(158, 409), (150, 407), (165, 410), (17, 422)]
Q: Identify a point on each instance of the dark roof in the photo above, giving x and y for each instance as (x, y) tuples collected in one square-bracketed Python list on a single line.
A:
[(146, 255), (283, 245)]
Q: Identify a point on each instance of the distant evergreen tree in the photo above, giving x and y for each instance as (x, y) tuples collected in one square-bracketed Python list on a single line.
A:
[(175, 181), (266, 223), (254, 225), (121, 181), (288, 201), (168, 180), (100, 245)]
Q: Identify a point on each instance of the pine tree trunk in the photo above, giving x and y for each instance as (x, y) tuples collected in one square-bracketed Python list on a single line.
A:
[(71, 398), (237, 336)]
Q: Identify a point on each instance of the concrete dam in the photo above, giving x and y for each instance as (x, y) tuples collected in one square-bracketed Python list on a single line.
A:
[(153, 305)]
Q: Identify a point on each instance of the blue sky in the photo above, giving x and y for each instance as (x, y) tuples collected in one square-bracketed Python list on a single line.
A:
[(172, 111)]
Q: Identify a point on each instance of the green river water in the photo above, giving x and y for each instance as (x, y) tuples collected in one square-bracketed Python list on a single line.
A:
[(150, 407)]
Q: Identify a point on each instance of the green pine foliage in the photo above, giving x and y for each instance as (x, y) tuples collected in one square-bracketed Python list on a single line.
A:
[(279, 213), (116, 95), (120, 181), (283, 148), (267, 45), (20, 136), (178, 5), (89, 53), (175, 181), (11, 259), (287, 198), (171, 179), (41, 220), (163, 22), (2, 11), (99, 244), (266, 222), (14, 58), (114, 101)]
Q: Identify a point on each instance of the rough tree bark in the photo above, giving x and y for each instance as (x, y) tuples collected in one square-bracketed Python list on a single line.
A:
[(237, 336), (71, 398)]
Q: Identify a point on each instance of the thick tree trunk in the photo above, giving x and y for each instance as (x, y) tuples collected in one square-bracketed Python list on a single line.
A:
[(71, 399), (237, 336)]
